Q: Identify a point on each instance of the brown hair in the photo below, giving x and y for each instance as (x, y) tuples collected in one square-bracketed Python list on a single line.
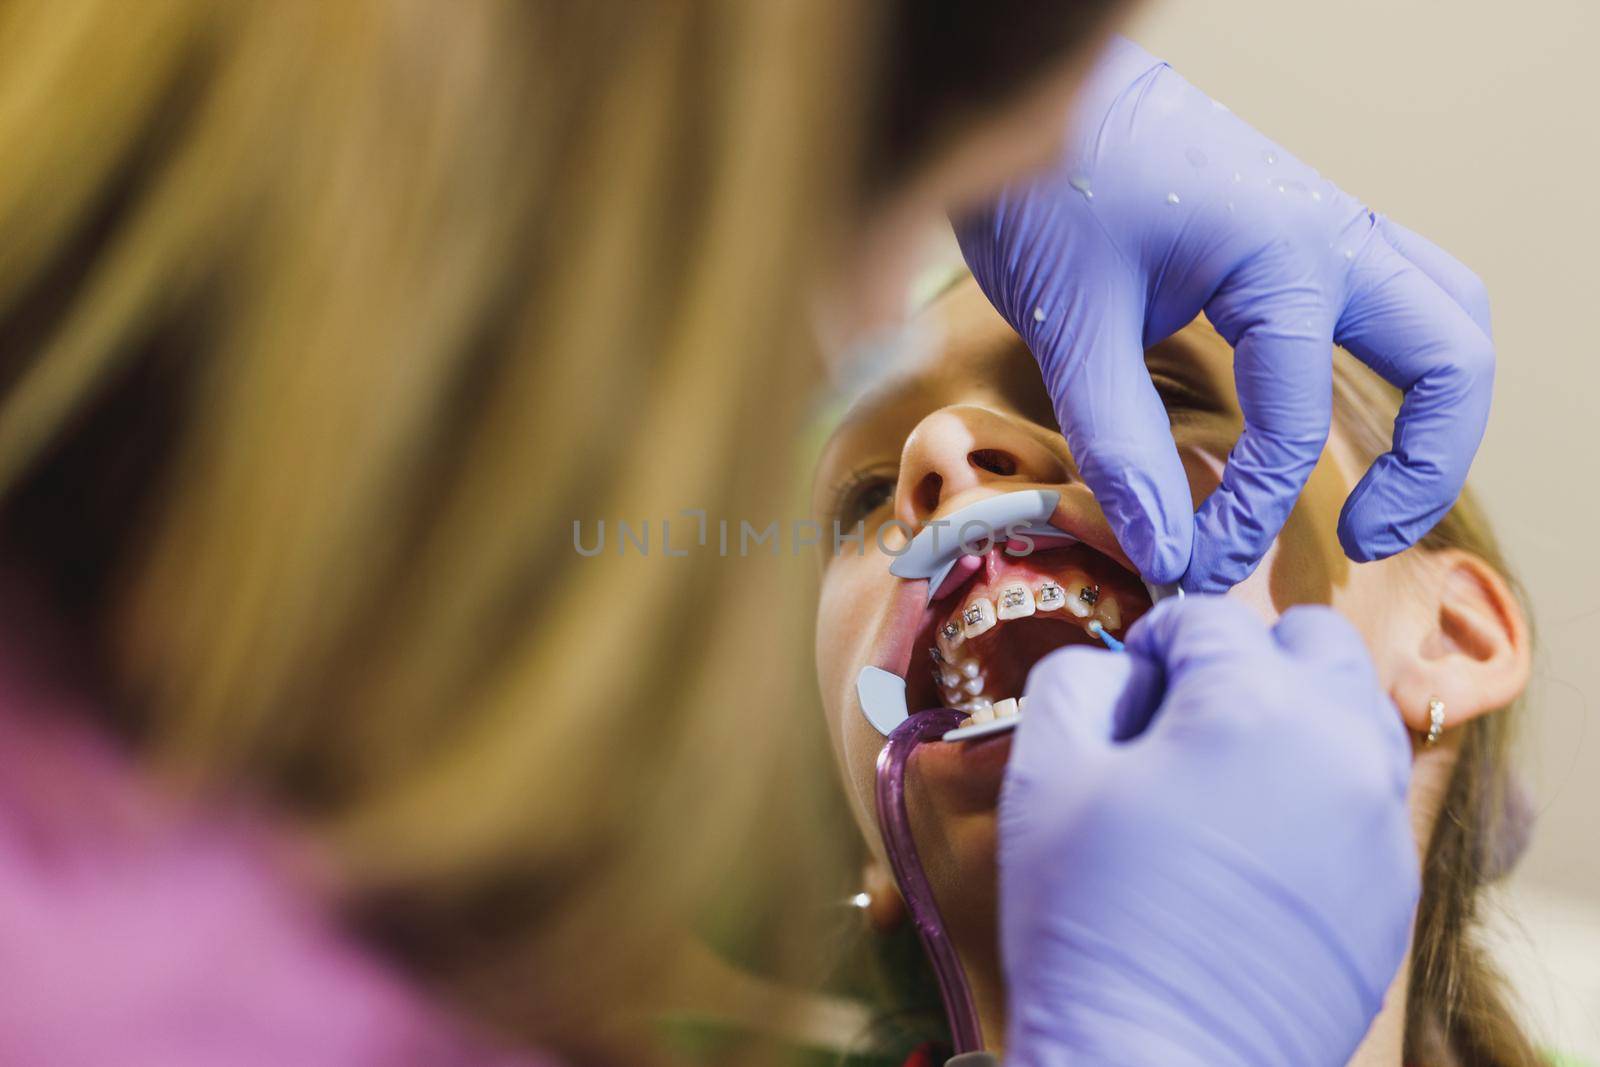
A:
[(1457, 1009)]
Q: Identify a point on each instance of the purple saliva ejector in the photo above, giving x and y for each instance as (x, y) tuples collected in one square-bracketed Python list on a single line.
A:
[(895, 825)]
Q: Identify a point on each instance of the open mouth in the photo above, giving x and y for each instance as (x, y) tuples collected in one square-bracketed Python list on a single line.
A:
[(985, 634), (986, 616)]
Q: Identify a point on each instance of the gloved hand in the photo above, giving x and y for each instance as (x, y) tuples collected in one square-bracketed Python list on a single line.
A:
[(1205, 853), (1165, 204)]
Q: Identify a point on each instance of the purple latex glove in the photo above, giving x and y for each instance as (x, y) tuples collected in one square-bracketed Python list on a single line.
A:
[(1166, 205), (1205, 852)]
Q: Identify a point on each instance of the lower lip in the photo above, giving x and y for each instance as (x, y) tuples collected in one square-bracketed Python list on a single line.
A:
[(965, 774)]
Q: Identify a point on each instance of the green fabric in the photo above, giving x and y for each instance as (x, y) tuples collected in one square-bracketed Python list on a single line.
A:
[(1559, 1059)]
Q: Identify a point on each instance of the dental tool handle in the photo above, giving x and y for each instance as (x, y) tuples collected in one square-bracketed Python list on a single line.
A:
[(965, 1033)]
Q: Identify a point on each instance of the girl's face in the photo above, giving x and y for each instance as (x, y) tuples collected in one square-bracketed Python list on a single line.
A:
[(972, 420)]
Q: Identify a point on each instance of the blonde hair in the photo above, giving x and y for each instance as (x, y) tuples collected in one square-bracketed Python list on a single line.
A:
[(323, 324)]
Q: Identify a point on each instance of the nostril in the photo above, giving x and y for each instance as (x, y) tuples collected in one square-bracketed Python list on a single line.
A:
[(994, 461), (926, 496)]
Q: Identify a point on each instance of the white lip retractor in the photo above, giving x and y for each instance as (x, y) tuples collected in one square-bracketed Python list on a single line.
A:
[(932, 554)]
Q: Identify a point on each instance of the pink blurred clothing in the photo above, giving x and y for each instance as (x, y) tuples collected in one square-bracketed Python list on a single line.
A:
[(137, 934)]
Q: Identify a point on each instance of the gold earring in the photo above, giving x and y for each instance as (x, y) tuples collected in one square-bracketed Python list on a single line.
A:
[(1435, 720)]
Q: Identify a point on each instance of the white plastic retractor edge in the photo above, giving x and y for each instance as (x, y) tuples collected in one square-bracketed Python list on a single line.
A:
[(926, 557), (981, 729), (882, 696)]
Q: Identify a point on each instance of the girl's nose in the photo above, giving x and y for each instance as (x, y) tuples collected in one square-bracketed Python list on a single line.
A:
[(959, 448)]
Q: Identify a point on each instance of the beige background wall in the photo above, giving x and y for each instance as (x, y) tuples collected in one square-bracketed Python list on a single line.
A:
[(1478, 124)]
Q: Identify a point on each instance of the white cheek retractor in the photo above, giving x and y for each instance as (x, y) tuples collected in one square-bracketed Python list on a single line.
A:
[(933, 553), (882, 696)]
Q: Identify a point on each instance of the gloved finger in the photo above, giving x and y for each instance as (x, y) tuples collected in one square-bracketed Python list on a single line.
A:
[(1448, 273), (1283, 370), (1407, 329), (1120, 436), (1133, 700), (1193, 633), (1072, 695), (1200, 646)]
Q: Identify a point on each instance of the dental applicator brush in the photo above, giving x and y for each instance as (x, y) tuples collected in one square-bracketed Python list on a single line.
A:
[(1106, 639)]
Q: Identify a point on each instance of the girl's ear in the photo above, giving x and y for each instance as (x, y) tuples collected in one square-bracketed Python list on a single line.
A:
[(1470, 646)]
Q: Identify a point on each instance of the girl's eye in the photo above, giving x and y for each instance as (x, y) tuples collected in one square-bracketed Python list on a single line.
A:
[(862, 496)]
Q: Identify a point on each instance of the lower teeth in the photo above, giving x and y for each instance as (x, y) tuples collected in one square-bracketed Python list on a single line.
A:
[(983, 710)]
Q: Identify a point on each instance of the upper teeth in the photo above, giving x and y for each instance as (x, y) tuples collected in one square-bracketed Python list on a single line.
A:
[(1076, 603), (1015, 601), (977, 618), (961, 677)]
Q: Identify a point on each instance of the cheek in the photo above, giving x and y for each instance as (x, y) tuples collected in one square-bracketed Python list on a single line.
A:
[(848, 613), (1308, 565), (1377, 602)]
